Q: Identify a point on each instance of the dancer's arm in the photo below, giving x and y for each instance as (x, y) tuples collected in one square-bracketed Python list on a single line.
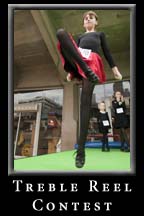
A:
[(109, 58)]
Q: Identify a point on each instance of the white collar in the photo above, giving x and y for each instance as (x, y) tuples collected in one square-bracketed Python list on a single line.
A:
[(102, 112)]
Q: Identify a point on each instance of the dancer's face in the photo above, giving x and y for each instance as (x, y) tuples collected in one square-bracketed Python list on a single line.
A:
[(118, 95), (90, 22), (102, 107)]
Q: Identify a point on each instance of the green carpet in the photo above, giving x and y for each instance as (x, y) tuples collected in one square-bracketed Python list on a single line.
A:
[(96, 160)]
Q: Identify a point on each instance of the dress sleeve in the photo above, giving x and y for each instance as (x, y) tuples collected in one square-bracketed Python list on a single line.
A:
[(98, 118), (113, 109), (108, 116), (124, 105), (78, 41), (108, 120), (106, 50)]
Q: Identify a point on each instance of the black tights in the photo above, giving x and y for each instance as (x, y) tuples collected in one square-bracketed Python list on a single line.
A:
[(71, 56), (124, 138), (69, 51), (85, 107), (105, 141)]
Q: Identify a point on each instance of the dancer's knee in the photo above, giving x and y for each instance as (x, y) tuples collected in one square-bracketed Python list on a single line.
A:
[(60, 32)]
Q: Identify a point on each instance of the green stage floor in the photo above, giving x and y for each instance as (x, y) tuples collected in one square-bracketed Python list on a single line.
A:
[(96, 160)]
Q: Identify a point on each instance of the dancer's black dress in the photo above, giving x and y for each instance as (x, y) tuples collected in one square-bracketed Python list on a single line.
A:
[(104, 126), (121, 122), (90, 71)]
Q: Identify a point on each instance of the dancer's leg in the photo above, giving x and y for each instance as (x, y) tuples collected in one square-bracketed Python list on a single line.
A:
[(69, 65), (73, 54), (103, 142), (106, 142), (126, 139), (122, 139), (85, 106)]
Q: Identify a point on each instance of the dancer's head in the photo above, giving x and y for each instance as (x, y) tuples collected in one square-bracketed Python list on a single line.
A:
[(102, 106), (90, 20), (118, 95)]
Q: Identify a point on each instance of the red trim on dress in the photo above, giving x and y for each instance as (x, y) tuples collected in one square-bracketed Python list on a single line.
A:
[(94, 62)]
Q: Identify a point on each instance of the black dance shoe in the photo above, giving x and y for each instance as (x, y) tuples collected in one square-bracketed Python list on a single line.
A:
[(108, 149), (127, 149), (80, 158), (92, 77)]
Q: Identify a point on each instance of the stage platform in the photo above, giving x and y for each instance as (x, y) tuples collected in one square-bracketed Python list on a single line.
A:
[(96, 161)]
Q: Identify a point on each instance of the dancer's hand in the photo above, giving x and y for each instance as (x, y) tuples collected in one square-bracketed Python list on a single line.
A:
[(75, 80), (113, 119), (69, 77), (122, 98), (116, 73)]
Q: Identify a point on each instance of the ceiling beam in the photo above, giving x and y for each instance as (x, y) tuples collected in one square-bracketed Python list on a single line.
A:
[(47, 33)]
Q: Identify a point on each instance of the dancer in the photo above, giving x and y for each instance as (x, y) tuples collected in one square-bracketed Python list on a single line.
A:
[(82, 61), (104, 125), (120, 119)]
